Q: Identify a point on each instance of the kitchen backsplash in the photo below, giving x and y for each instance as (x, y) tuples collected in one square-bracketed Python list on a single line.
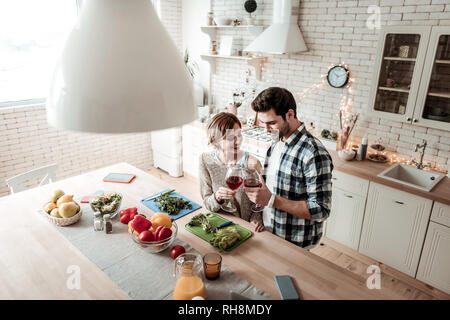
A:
[(335, 32)]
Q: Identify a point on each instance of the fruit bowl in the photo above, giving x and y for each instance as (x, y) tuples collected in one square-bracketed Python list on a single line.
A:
[(62, 222), (157, 246)]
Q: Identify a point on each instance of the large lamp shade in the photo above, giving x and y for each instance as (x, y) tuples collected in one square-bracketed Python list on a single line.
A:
[(119, 72)]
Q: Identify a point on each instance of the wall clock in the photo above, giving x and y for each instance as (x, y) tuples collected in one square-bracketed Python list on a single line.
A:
[(338, 76)]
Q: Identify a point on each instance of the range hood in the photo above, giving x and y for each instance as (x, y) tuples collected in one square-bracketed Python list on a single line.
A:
[(283, 36)]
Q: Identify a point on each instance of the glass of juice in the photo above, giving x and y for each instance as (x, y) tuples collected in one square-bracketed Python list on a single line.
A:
[(189, 284), (212, 263)]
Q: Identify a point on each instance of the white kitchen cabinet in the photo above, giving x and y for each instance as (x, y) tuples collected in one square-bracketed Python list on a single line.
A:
[(434, 266), (433, 101), (166, 146), (411, 81), (194, 143), (441, 214), (347, 210), (397, 72), (394, 227)]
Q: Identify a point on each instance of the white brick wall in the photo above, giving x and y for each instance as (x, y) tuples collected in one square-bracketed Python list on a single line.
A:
[(28, 142), (335, 32), (171, 19)]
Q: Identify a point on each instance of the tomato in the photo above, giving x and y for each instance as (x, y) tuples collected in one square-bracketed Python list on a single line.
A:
[(176, 251), (146, 236), (162, 233)]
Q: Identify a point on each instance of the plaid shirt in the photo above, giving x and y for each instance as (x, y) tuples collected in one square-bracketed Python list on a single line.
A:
[(304, 174)]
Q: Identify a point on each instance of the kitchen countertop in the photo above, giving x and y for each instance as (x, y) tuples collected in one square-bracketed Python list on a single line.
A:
[(369, 170)]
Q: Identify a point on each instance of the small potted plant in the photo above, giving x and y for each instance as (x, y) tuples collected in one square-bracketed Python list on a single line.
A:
[(192, 68)]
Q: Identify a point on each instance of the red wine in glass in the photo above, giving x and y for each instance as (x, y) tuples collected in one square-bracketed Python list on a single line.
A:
[(252, 180), (252, 183), (234, 182)]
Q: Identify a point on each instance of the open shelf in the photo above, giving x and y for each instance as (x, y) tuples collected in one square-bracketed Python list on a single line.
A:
[(248, 26), (255, 62), (213, 56), (212, 30)]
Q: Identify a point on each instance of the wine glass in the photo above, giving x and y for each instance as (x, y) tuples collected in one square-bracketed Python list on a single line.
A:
[(252, 180), (234, 180)]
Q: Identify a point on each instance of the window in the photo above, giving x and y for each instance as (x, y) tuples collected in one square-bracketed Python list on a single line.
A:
[(31, 38), (157, 6)]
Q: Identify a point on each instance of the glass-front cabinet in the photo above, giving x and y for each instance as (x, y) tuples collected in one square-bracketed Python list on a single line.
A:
[(433, 102), (412, 77)]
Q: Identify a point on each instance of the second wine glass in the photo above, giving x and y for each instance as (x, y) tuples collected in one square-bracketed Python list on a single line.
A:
[(252, 180)]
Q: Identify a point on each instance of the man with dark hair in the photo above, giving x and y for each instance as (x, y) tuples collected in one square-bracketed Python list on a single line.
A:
[(297, 173)]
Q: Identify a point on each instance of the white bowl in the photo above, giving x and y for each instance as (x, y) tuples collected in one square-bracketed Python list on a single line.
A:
[(222, 21), (113, 213), (347, 155)]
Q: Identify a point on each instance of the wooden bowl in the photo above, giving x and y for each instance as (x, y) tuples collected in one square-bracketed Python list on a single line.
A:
[(62, 222)]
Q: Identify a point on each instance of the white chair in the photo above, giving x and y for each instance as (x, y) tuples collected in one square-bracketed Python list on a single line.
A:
[(15, 183)]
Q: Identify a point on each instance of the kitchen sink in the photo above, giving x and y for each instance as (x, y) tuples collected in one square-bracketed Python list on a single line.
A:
[(413, 177)]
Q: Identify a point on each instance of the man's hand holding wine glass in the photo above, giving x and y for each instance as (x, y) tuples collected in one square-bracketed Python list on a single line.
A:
[(259, 195)]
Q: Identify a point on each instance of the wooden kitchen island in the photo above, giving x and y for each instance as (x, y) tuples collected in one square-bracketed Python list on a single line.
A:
[(35, 256)]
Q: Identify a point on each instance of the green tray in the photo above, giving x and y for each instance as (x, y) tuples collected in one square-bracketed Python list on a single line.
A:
[(217, 220)]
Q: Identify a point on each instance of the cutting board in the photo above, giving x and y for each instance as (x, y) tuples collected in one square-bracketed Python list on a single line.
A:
[(152, 205), (217, 220)]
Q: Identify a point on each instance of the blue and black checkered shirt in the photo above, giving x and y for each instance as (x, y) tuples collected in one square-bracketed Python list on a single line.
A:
[(304, 174)]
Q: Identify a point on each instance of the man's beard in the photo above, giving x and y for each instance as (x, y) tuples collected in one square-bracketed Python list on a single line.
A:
[(284, 130)]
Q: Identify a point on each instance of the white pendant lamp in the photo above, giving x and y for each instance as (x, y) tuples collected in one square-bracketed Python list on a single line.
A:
[(119, 72)]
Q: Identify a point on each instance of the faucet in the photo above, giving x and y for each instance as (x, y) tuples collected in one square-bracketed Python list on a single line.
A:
[(420, 164)]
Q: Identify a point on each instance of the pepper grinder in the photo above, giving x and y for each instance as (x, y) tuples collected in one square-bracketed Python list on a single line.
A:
[(107, 223)]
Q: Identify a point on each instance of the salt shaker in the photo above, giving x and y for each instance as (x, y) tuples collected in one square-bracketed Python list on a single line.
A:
[(108, 223), (98, 221)]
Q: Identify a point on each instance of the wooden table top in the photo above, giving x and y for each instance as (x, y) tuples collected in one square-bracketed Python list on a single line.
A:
[(35, 256)]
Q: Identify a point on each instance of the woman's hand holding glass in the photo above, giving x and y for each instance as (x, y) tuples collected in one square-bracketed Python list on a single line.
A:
[(233, 180), (224, 194)]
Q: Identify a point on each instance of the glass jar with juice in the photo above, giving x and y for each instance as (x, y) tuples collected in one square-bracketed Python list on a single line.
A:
[(189, 284)]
